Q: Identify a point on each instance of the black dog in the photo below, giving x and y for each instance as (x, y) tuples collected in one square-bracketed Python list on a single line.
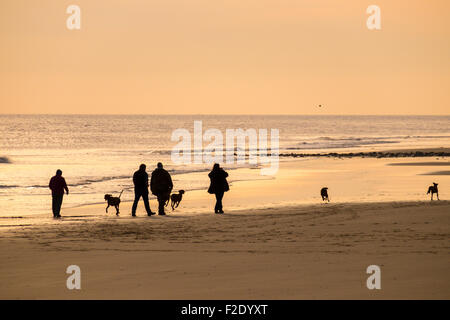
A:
[(113, 201), (433, 189), (324, 194), (175, 199)]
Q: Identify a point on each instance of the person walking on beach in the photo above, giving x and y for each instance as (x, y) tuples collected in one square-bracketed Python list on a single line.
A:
[(218, 186), (57, 185), (140, 181), (161, 186)]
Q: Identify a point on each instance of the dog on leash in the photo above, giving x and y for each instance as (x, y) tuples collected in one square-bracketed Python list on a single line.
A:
[(433, 189), (324, 194), (113, 202), (175, 199)]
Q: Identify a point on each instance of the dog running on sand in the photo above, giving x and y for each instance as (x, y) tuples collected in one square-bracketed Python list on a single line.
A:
[(324, 194), (175, 199)]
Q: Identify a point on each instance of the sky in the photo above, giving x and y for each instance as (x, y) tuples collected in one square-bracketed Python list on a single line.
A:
[(225, 57)]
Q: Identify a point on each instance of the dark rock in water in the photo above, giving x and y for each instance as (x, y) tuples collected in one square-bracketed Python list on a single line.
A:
[(4, 160), (368, 154)]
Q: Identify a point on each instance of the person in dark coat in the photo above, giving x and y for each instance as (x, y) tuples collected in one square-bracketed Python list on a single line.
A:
[(161, 185), (140, 180), (218, 186), (57, 185)]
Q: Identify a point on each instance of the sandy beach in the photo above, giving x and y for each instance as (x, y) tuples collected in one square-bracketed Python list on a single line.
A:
[(309, 252), (308, 142), (276, 241)]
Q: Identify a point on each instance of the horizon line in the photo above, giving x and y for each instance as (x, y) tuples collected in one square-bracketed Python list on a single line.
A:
[(215, 114)]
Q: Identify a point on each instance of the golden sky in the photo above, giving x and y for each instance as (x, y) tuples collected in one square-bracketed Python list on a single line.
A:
[(225, 57)]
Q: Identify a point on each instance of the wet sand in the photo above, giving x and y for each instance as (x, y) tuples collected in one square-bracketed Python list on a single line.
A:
[(437, 173), (427, 164), (420, 164)]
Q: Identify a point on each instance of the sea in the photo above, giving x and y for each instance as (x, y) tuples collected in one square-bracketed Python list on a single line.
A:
[(99, 153)]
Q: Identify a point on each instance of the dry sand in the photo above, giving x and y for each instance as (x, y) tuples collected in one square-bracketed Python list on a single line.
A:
[(300, 252)]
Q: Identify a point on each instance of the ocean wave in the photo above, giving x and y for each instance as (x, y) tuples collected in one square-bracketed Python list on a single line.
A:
[(342, 142), (3, 186), (93, 180), (130, 177), (205, 150), (338, 144)]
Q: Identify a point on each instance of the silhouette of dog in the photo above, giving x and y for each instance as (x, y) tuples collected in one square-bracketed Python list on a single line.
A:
[(433, 189), (324, 194), (175, 199), (113, 202)]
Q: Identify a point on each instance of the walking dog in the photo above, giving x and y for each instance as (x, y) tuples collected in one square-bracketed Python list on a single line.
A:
[(175, 199), (113, 202), (433, 189)]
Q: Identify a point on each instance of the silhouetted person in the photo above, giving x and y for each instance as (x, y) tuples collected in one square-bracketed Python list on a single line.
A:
[(57, 185), (218, 186), (161, 186), (140, 180)]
